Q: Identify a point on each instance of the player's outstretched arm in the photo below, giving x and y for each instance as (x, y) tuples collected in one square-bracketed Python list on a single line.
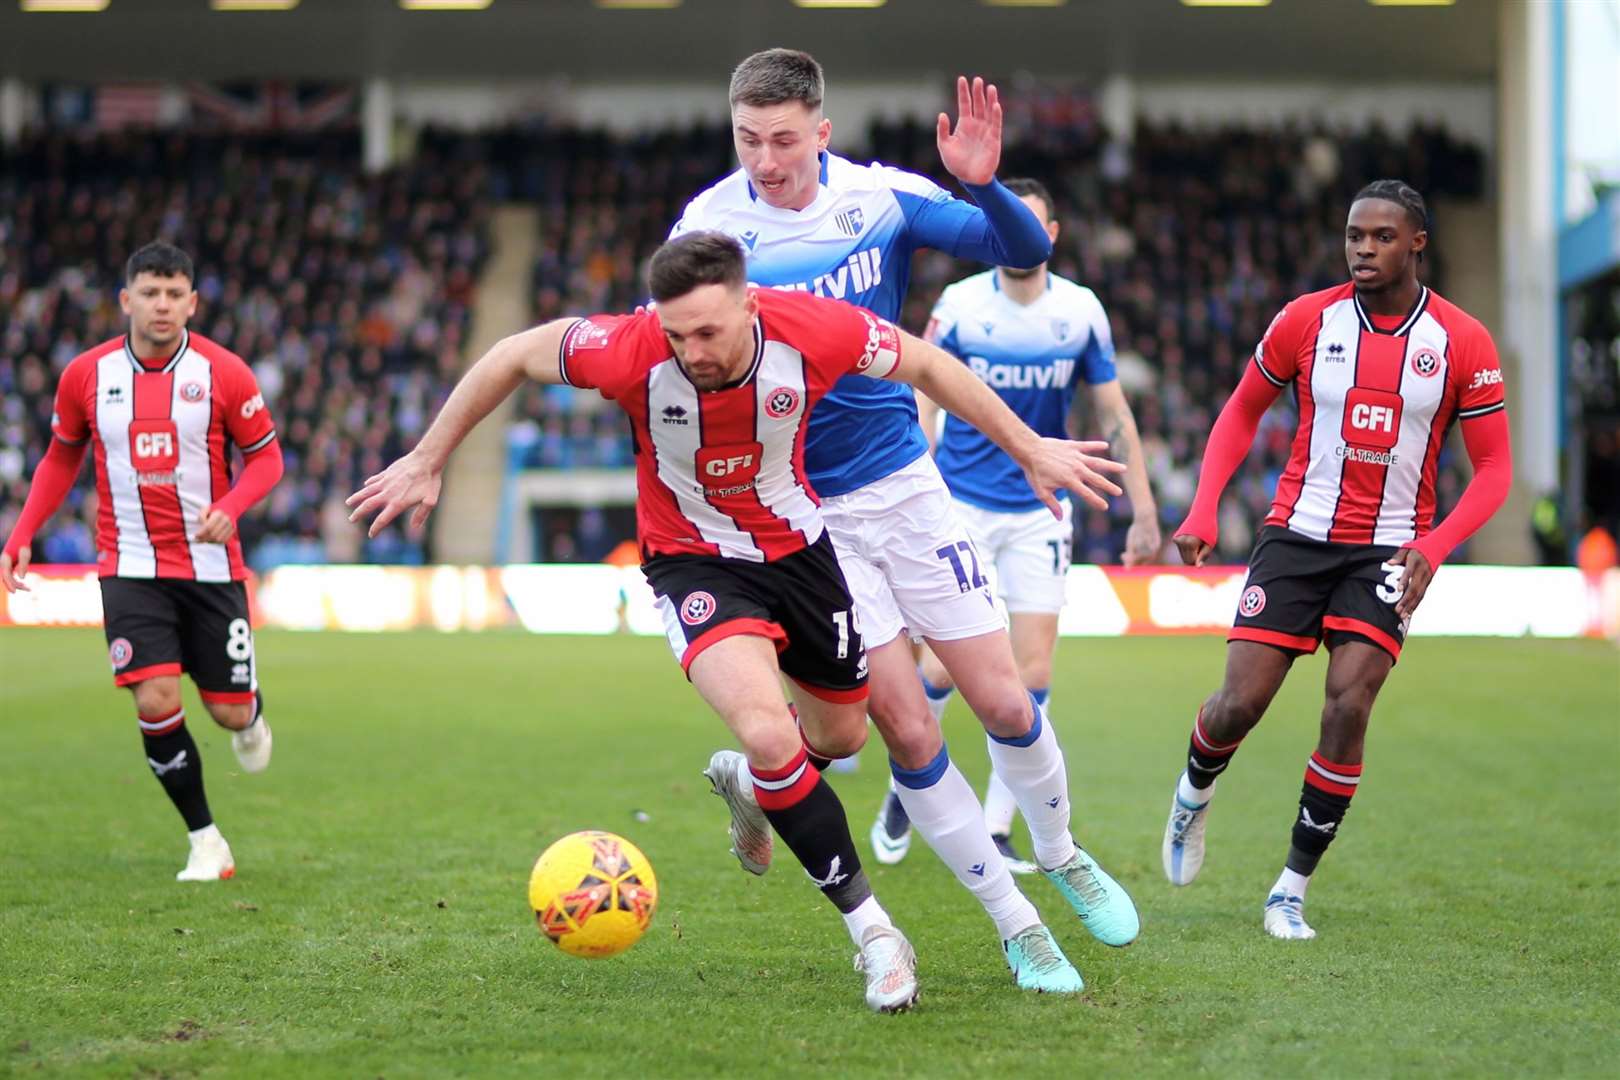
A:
[(1229, 442), (1048, 464), (1143, 539), (53, 479), (413, 482)]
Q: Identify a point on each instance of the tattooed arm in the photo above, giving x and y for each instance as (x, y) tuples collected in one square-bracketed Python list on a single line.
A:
[(1114, 417)]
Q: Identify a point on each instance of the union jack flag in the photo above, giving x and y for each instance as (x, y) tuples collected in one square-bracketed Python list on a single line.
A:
[(273, 105)]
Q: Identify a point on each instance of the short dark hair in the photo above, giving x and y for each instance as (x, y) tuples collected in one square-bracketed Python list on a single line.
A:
[(778, 75), (1401, 194), (694, 260), (160, 258), (1024, 185)]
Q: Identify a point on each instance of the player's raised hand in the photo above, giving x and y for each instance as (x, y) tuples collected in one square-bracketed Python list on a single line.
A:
[(216, 528), (973, 151), (1414, 580), (1142, 542), (12, 577), (1074, 465), (408, 484), (1194, 550)]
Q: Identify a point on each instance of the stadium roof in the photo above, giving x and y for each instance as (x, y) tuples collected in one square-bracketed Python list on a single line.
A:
[(1289, 39)]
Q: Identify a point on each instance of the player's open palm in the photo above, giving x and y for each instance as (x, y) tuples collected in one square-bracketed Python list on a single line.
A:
[(11, 576), (1073, 465), (973, 151), (408, 484)]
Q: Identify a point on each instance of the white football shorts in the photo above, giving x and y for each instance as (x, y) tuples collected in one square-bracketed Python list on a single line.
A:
[(1029, 552), (910, 563)]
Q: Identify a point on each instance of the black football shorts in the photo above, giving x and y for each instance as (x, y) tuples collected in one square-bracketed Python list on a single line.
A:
[(799, 601), (1301, 590)]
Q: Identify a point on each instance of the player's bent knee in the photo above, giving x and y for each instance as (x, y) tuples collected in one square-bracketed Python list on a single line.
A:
[(1007, 716), (911, 735), (230, 714), (1229, 715), (1344, 718), (769, 737), (840, 743), (160, 695)]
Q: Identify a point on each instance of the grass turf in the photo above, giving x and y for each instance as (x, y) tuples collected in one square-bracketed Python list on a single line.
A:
[(378, 926)]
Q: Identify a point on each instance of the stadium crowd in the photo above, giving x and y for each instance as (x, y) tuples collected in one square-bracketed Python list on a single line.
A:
[(349, 294), (1181, 233)]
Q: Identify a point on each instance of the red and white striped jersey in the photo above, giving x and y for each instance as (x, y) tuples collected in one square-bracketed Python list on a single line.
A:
[(1377, 396), (722, 472), (159, 429)]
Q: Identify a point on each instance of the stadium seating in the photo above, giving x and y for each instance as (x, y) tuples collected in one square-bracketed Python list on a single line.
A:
[(347, 293), (1177, 232)]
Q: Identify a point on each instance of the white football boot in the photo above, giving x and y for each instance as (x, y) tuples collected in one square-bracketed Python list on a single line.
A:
[(1183, 850), (210, 858), (890, 966), (252, 745), (750, 831), (1285, 917)]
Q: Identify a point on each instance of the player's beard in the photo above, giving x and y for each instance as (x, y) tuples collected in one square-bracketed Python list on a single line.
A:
[(1022, 275), (714, 378)]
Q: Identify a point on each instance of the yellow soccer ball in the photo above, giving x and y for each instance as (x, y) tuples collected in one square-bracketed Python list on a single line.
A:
[(593, 893)]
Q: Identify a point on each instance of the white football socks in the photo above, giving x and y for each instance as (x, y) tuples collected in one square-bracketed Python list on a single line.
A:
[(1192, 797), (1033, 770), (946, 813), (870, 913), (999, 806), (206, 833), (1291, 883)]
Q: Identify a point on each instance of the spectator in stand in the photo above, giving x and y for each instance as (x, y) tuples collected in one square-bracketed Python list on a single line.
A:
[(348, 294)]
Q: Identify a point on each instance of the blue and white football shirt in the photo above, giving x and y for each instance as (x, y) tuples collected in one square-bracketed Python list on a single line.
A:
[(855, 243), (1034, 356)]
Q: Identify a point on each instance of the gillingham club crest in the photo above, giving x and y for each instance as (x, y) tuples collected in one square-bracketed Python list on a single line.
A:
[(697, 608)]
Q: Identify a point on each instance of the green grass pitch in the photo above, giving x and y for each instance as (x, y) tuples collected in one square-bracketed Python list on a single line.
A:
[(377, 925)]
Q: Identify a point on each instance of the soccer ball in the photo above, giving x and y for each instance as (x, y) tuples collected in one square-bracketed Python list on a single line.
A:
[(593, 894)]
